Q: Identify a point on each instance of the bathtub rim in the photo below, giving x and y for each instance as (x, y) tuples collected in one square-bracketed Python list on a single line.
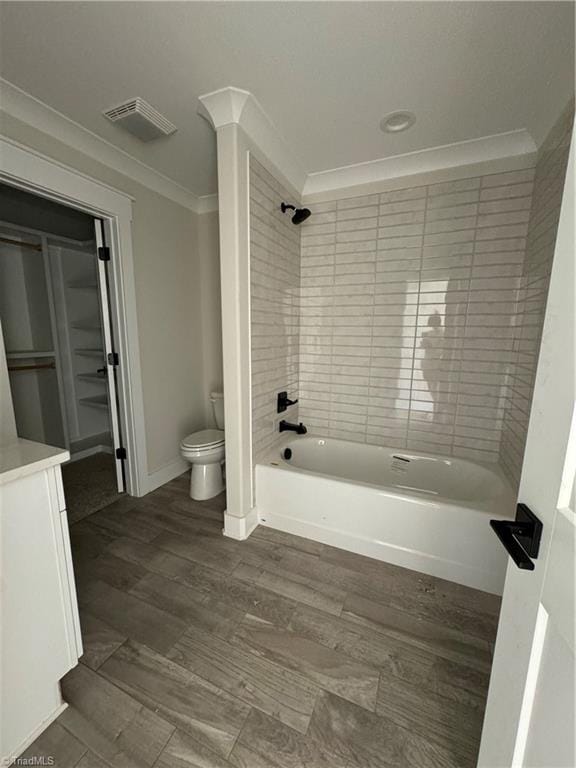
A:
[(273, 458)]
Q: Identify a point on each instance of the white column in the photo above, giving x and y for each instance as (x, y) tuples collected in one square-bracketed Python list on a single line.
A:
[(233, 194)]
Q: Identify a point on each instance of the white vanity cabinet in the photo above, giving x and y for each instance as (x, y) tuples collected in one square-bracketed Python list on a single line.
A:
[(40, 629)]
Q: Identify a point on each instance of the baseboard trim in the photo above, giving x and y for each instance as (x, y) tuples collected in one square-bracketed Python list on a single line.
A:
[(91, 452), (240, 527), (163, 476), (31, 738)]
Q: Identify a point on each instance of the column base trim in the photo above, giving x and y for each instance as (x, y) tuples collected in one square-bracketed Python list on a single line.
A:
[(240, 527)]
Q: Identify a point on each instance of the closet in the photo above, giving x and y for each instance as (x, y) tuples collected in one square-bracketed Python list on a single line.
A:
[(52, 328), (52, 293)]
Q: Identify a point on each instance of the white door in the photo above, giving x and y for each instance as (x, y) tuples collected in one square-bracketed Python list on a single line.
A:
[(530, 713), (111, 357)]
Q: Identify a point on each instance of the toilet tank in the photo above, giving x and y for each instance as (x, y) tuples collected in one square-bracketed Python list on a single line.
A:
[(217, 400)]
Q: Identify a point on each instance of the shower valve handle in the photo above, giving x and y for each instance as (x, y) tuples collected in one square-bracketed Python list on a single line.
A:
[(283, 402)]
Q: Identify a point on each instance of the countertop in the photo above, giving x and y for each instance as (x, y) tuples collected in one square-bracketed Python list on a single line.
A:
[(23, 457)]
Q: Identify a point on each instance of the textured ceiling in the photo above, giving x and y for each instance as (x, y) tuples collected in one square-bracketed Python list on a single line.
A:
[(325, 72)]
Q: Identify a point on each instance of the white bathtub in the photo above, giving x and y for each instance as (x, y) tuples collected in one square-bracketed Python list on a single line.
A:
[(420, 511)]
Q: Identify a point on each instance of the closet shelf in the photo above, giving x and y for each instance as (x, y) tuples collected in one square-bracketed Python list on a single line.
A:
[(91, 377), (97, 401), (87, 327), (89, 352), (23, 354), (83, 286)]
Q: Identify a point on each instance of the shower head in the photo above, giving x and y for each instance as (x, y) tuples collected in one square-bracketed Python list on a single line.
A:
[(300, 214)]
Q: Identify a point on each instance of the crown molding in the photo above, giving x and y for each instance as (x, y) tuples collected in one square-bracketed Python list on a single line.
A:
[(28, 109), (500, 147), (207, 203), (224, 106), (502, 165), (228, 106), (491, 154)]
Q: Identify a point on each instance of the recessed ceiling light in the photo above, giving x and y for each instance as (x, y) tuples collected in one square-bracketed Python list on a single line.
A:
[(397, 121)]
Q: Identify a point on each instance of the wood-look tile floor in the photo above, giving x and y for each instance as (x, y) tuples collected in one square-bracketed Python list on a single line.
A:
[(276, 652)]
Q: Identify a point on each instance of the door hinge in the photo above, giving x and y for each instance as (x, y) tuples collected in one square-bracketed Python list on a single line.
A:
[(112, 358), (104, 253), (120, 453)]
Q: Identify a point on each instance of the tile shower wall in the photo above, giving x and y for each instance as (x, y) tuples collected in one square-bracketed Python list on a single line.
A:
[(544, 216), (275, 282), (408, 310)]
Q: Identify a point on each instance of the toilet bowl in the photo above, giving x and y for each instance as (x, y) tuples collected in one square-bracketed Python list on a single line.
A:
[(205, 450)]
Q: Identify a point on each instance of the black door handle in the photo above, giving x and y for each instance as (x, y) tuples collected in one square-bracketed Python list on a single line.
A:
[(505, 532), (520, 537)]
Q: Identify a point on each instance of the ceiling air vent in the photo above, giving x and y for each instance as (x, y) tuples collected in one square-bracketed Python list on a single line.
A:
[(140, 119)]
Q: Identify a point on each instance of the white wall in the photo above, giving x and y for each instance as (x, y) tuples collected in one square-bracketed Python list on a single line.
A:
[(208, 243), (169, 301)]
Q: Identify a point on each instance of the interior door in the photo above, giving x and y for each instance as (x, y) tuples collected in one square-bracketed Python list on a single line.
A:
[(111, 358), (530, 712)]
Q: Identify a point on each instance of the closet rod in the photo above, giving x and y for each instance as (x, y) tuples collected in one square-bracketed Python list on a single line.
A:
[(34, 246), (30, 367)]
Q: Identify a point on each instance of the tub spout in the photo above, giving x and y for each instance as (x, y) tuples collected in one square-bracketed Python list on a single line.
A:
[(285, 426)]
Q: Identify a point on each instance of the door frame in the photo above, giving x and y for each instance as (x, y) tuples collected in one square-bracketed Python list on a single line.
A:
[(33, 172)]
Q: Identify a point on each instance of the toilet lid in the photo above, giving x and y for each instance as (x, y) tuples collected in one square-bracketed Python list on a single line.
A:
[(206, 438)]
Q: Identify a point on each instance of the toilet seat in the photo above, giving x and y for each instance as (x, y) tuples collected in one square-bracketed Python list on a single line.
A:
[(205, 439)]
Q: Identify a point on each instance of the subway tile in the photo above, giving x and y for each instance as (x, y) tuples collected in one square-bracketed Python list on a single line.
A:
[(317, 250), (497, 270), (511, 177), (507, 231), (460, 185), (355, 314), (418, 204), (365, 267), (386, 243), (319, 229), (497, 219), (507, 191), (500, 206), (400, 195), (448, 274), (355, 247), (400, 230), (508, 244), (357, 202), (396, 219), (394, 265), (356, 225), (447, 249), (452, 212), (498, 258), (358, 212), (452, 199), (450, 225), (360, 235)]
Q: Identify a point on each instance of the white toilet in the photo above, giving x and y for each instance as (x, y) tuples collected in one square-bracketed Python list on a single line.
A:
[(205, 451)]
